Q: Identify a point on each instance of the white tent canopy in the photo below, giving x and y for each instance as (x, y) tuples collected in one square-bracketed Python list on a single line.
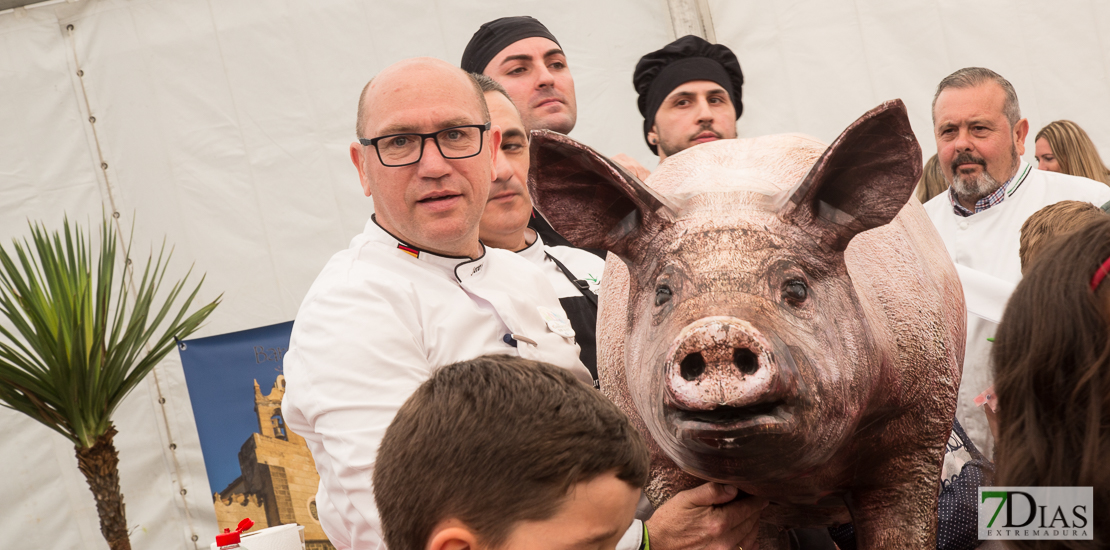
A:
[(223, 126)]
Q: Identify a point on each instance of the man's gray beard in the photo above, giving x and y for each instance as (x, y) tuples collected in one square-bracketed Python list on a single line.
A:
[(972, 189)]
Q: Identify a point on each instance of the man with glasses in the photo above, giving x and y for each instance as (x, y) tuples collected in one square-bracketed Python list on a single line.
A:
[(415, 291)]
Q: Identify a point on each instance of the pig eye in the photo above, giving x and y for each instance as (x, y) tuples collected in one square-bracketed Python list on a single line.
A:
[(662, 295), (795, 291)]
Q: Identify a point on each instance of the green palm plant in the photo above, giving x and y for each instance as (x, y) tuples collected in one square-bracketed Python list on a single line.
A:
[(76, 342)]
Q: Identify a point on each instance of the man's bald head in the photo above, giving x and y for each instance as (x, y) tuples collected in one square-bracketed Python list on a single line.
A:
[(409, 70), (434, 202)]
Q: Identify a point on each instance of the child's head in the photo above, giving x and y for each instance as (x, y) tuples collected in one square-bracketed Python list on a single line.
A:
[(1051, 359), (1051, 221), (501, 451)]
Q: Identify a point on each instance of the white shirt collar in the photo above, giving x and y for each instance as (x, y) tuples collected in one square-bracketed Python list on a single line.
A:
[(534, 252), (460, 267)]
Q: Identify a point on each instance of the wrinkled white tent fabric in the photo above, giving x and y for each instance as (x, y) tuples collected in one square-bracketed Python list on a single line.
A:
[(814, 67), (223, 125)]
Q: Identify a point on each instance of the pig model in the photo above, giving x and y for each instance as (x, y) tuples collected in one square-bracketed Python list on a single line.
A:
[(785, 320)]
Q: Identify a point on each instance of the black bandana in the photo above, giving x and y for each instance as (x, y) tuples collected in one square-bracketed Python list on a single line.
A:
[(497, 35), (688, 58)]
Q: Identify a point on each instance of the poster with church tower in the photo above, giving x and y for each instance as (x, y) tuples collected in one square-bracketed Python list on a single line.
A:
[(256, 466)]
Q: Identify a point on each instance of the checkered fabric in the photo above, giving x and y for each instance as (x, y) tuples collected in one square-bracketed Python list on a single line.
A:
[(982, 204)]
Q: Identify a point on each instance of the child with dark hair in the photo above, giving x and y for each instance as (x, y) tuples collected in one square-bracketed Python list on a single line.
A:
[(504, 452), (1051, 360)]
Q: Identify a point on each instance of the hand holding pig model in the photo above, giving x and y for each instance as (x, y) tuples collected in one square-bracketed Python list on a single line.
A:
[(777, 316)]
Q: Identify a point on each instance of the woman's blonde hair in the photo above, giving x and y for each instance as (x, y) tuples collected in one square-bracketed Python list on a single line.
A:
[(1074, 150), (932, 181)]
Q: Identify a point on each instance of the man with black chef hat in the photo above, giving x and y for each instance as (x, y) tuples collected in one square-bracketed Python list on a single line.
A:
[(689, 93)]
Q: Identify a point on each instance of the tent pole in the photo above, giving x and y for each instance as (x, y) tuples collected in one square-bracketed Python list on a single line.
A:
[(691, 17)]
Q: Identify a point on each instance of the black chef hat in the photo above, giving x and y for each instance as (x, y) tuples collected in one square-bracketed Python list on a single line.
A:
[(497, 35), (688, 58)]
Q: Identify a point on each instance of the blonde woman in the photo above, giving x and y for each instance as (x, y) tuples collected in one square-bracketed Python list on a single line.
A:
[(1064, 147), (932, 181)]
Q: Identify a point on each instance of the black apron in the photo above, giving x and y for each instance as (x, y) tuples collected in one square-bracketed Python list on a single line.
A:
[(582, 313)]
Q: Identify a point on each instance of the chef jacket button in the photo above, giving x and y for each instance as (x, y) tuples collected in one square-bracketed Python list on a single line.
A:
[(963, 225)]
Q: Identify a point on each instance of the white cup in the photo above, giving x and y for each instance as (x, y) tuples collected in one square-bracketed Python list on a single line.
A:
[(283, 537)]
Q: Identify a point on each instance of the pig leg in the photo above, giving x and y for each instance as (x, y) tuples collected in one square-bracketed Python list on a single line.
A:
[(772, 537), (894, 505), (900, 515)]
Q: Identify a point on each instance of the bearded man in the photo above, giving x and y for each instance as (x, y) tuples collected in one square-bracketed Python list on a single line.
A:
[(980, 139)]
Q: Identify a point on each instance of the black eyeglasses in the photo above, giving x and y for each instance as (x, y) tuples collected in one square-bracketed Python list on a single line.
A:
[(456, 142)]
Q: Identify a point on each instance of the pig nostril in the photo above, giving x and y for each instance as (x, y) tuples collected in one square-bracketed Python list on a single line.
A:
[(745, 360), (692, 366)]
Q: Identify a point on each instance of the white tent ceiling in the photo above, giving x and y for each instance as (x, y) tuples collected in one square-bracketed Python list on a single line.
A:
[(11, 4)]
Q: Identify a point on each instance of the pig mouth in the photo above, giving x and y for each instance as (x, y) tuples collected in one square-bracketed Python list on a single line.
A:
[(721, 427)]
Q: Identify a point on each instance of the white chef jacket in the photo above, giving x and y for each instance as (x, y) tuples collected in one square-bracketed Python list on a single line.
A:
[(987, 242), (377, 321), (586, 266)]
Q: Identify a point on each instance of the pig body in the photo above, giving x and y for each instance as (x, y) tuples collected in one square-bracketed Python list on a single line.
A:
[(778, 317)]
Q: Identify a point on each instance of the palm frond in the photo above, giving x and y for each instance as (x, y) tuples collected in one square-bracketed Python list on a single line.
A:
[(79, 341)]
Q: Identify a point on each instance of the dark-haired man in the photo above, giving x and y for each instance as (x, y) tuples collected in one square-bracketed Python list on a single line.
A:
[(524, 57), (521, 55), (561, 466), (689, 519), (415, 291), (689, 93)]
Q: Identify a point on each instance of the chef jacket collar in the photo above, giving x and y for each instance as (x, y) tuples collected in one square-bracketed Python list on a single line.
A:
[(534, 252), (459, 267)]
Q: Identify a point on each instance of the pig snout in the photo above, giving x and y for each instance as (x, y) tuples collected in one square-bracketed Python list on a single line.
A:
[(721, 362)]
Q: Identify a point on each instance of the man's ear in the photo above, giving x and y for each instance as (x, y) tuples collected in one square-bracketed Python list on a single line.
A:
[(357, 150), (653, 135), (452, 534), (494, 150), (1021, 131), (861, 181), (591, 200)]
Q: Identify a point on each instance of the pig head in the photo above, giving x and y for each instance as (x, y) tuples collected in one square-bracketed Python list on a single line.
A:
[(778, 316)]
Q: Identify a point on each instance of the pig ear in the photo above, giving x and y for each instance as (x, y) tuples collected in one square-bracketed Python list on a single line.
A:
[(589, 199), (861, 181)]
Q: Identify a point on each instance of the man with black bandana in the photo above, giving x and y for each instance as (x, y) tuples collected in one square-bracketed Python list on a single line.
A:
[(520, 54), (689, 93), (524, 57)]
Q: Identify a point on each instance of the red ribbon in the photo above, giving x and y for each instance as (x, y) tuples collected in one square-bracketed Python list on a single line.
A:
[(1103, 270)]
